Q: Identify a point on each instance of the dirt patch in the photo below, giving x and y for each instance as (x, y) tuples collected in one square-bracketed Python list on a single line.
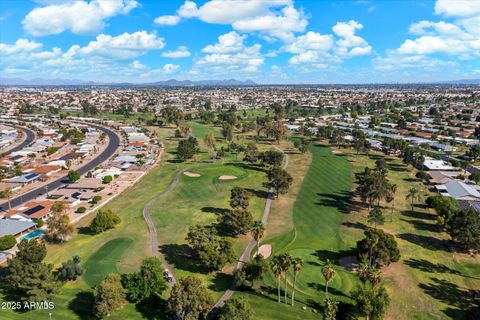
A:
[(191, 174), (265, 250), (227, 178), (350, 263)]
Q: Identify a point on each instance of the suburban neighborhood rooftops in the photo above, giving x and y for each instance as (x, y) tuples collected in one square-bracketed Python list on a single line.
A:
[(14, 227), (433, 164), (460, 190), (26, 178)]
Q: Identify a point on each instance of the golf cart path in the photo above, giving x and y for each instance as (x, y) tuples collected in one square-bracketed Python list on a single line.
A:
[(151, 226), (245, 257)]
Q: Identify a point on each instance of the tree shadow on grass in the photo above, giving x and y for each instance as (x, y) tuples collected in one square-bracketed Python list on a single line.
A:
[(217, 211), (181, 257), (153, 308), (418, 215), (459, 299), (339, 200), (85, 230), (333, 256), (355, 225), (425, 241), (263, 194), (421, 225), (321, 287), (427, 266), (249, 166), (83, 305), (270, 293), (221, 282)]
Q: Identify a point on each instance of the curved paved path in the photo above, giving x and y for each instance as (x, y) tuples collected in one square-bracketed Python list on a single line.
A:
[(245, 257), (113, 143), (29, 139)]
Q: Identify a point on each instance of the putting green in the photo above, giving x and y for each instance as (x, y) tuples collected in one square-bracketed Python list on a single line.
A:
[(104, 261)]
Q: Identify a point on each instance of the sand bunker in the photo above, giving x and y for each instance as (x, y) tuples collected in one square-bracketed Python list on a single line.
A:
[(265, 250), (227, 178), (191, 174)]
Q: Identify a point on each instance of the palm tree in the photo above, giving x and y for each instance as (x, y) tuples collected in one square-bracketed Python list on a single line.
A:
[(276, 266), (286, 263), (297, 267), (258, 231), (7, 193), (412, 195), (328, 273)]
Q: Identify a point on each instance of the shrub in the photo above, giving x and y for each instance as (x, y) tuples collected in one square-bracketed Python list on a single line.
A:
[(7, 242), (96, 199), (104, 220), (39, 222), (70, 270), (107, 179), (378, 247), (81, 210)]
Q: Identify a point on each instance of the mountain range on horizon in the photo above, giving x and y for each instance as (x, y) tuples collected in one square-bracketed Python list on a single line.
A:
[(183, 83)]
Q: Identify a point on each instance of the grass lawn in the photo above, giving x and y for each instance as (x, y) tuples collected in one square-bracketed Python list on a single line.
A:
[(430, 281), (318, 213)]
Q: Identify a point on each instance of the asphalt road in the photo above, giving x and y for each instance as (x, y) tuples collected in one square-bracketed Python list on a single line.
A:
[(114, 142), (29, 139)]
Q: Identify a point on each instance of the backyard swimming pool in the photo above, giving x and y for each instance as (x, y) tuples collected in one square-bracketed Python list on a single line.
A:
[(33, 235)]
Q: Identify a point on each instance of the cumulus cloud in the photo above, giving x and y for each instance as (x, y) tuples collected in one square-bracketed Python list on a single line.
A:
[(349, 43), (77, 16), (230, 53), (21, 45), (276, 18), (170, 68), (124, 46), (458, 8), (180, 52), (167, 20)]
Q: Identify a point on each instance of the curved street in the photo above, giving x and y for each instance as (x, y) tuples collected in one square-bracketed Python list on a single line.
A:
[(30, 137), (114, 142)]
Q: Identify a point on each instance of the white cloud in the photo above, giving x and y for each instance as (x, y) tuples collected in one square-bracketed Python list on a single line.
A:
[(77, 16), (167, 20), (230, 54), (21, 45), (170, 68), (310, 41), (276, 18), (414, 62), (229, 42), (180, 52), (458, 8), (350, 44), (124, 46), (138, 65)]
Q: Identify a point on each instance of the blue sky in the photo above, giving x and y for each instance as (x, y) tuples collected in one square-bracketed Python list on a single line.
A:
[(271, 41)]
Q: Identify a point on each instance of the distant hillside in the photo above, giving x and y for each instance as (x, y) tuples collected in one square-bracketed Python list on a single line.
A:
[(165, 83)]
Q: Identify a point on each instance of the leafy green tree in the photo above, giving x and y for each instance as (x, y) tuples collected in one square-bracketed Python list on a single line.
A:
[(213, 252), (251, 272), (239, 198), (236, 221), (27, 276), (272, 158), (149, 280), (7, 193), (186, 149), (236, 309), (189, 299), (7, 242), (328, 273), (58, 225), (251, 153), (371, 302), (73, 175), (474, 152), (375, 216), (109, 296), (378, 247), (413, 195), (70, 270), (475, 176), (104, 220), (464, 228), (209, 141), (227, 131), (172, 114), (279, 180)]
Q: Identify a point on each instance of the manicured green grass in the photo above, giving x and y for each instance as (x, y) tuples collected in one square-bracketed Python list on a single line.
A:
[(104, 261), (429, 282), (317, 216)]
